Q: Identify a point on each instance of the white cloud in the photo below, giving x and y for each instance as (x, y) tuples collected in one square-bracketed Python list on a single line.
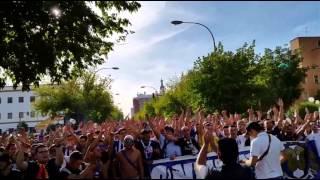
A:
[(136, 68), (149, 12)]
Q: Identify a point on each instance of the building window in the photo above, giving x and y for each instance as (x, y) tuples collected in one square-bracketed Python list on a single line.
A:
[(32, 98), (33, 114), (21, 99), (316, 80), (21, 114), (9, 100), (9, 115)]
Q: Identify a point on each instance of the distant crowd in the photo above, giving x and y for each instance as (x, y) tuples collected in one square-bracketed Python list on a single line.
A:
[(125, 149)]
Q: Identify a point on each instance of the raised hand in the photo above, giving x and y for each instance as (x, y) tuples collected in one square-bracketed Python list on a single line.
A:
[(207, 137), (306, 110), (259, 113), (280, 102)]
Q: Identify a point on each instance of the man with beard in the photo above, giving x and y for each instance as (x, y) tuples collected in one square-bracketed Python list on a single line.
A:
[(41, 168)]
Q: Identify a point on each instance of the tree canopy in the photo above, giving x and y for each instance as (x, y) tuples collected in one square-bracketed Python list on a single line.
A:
[(234, 81), (53, 38), (82, 98)]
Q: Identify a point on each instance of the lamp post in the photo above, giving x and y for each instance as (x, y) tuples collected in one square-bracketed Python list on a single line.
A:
[(114, 68), (155, 94), (143, 86), (181, 22)]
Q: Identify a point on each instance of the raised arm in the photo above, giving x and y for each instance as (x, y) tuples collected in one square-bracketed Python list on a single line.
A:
[(202, 157), (59, 154), (281, 109), (155, 130), (21, 164)]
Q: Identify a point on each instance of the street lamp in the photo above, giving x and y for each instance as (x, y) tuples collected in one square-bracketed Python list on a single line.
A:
[(114, 68), (149, 87), (181, 22)]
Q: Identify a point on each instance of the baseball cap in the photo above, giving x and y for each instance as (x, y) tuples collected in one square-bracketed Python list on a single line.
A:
[(145, 130)]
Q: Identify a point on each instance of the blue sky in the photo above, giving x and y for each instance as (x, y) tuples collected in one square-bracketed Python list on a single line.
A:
[(159, 49)]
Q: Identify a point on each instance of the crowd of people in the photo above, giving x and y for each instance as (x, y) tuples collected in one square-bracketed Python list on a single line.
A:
[(125, 149)]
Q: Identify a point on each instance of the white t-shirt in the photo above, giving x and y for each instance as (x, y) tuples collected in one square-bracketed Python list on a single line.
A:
[(270, 165), (316, 138), (241, 140)]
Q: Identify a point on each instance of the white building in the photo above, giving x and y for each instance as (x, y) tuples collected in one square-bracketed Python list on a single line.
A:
[(16, 106)]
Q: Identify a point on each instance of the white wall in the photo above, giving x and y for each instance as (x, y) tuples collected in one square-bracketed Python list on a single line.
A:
[(15, 107)]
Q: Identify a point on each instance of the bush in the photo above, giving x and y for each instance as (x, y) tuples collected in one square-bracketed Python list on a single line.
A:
[(311, 107)]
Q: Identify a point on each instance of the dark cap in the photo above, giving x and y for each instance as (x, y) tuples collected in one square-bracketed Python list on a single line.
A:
[(76, 155), (146, 130), (254, 126)]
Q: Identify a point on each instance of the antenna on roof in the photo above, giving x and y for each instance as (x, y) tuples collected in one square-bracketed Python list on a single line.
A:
[(306, 31)]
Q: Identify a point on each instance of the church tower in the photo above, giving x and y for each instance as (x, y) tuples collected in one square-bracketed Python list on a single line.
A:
[(162, 88)]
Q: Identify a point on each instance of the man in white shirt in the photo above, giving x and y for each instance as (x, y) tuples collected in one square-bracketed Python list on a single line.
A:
[(314, 136), (240, 139), (266, 153)]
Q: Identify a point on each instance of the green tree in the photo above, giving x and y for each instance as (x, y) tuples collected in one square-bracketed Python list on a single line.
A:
[(23, 124), (282, 75), (116, 114), (82, 98), (235, 81), (38, 40), (224, 80)]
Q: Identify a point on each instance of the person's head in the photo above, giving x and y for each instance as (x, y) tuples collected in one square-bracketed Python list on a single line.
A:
[(241, 124), (76, 158), (226, 132), (268, 124), (33, 150), (146, 134), (288, 129), (168, 130), (128, 142), (233, 131), (11, 149), (313, 127), (185, 132), (70, 140), (83, 140), (42, 153), (4, 160), (228, 150), (122, 133), (253, 129)]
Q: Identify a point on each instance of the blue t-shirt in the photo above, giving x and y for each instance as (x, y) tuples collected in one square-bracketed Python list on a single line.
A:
[(171, 148)]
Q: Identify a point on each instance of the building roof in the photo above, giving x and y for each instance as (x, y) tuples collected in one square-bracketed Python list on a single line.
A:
[(305, 37)]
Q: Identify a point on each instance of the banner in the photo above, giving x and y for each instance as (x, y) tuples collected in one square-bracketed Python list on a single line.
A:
[(302, 162)]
